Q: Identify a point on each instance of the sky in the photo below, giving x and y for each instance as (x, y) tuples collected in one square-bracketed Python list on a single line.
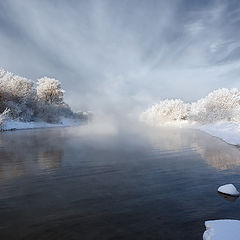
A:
[(122, 54)]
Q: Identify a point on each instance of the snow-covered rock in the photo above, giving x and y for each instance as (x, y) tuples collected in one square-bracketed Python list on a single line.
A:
[(226, 229), (229, 189)]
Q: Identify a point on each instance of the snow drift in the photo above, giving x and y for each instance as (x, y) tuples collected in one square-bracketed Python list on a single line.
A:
[(211, 114)]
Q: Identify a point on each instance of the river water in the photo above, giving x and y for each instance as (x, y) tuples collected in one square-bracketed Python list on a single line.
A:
[(98, 182)]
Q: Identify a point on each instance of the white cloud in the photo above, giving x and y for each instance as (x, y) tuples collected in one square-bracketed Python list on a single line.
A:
[(121, 52)]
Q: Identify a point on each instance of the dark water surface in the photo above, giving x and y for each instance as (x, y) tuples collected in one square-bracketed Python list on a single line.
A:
[(110, 183)]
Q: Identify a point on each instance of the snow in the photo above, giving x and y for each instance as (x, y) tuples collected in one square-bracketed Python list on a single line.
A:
[(17, 125), (226, 229), (229, 132), (217, 114), (229, 189)]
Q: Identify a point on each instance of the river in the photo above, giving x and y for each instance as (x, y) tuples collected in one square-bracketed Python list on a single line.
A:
[(113, 183)]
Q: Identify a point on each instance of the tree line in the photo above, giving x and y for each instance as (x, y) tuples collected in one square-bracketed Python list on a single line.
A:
[(25, 100)]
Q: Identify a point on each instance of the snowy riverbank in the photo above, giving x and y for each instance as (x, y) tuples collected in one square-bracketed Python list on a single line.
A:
[(19, 125), (217, 114), (229, 132)]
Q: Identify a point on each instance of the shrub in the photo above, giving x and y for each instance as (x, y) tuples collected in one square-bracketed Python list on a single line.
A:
[(27, 103), (3, 118), (49, 90), (219, 105), (166, 110)]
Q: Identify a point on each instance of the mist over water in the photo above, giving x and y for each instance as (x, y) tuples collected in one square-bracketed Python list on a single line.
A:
[(104, 181), (115, 177)]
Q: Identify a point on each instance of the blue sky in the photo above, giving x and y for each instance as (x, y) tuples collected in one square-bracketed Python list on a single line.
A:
[(127, 53)]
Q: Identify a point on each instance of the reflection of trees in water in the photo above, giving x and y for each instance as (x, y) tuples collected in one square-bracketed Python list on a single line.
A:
[(49, 158), (26, 151), (172, 140), (228, 197), (223, 156), (217, 153)]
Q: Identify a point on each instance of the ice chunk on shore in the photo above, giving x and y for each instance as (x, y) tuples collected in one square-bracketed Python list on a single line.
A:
[(226, 229), (228, 189)]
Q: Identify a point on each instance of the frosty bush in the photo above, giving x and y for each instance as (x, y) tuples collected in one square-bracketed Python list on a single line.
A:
[(3, 117), (29, 103), (219, 105), (21, 111), (2, 72), (16, 88), (18, 94), (52, 113), (49, 90), (166, 110)]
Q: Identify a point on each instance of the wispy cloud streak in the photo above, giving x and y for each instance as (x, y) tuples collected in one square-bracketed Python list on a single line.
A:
[(118, 54)]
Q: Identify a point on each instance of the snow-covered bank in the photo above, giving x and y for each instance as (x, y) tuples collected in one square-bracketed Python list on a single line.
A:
[(222, 230), (19, 125), (229, 132), (218, 114)]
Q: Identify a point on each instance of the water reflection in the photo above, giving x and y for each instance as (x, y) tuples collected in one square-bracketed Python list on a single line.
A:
[(76, 180), (50, 158), (26, 151), (228, 197), (214, 151), (223, 158)]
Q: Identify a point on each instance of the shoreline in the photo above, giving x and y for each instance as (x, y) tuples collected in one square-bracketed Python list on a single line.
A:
[(13, 125), (229, 132)]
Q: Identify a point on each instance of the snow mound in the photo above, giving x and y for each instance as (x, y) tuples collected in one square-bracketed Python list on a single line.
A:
[(222, 230), (228, 189)]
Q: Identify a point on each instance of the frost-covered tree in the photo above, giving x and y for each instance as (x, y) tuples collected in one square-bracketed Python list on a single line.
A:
[(50, 106), (2, 72), (16, 88), (29, 103), (165, 111), (18, 94), (49, 90), (52, 113), (3, 117), (219, 105)]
